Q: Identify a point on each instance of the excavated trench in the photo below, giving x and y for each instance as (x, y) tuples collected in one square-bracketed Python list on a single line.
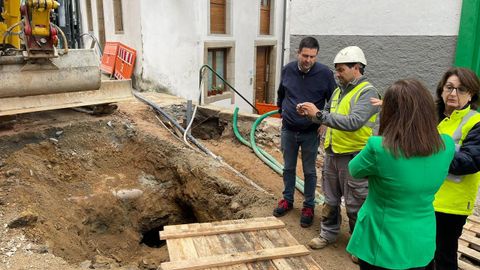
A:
[(98, 192)]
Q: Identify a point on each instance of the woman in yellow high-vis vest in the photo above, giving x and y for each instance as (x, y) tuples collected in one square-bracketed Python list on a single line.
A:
[(457, 94)]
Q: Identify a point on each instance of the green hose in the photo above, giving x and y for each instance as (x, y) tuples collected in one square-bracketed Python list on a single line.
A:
[(264, 156), (245, 142)]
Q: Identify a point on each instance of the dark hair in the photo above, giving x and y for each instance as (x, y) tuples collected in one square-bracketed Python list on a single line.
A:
[(361, 68), (468, 79), (308, 42), (408, 122)]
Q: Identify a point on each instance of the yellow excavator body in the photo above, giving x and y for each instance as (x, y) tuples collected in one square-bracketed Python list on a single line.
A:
[(34, 76), (10, 16)]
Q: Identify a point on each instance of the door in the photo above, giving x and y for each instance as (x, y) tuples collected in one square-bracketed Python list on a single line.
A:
[(262, 74)]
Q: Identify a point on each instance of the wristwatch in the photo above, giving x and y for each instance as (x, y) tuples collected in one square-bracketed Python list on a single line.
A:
[(319, 115)]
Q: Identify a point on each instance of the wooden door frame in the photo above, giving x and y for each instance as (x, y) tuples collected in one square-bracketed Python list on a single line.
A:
[(270, 97)]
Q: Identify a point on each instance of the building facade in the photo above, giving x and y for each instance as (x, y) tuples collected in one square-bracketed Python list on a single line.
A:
[(248, 41), (401, 39), (240, 40)]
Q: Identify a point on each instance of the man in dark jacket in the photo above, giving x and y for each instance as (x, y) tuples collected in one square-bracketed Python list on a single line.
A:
[(303, 80)]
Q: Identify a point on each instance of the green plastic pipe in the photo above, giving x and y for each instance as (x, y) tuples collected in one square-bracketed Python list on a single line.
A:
[(245, 142), (299, 184), (264, 156)]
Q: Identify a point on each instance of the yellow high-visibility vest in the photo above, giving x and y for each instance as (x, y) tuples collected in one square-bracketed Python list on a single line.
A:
[(457, 195), (348, 141)]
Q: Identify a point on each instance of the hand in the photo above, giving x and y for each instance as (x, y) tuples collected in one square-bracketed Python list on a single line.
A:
[(321, 131), (300, 110), (376, 101), (307, 109)]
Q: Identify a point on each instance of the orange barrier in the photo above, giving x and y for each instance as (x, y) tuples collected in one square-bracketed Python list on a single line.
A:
[(265, 107), (109, 56), (125, 62)]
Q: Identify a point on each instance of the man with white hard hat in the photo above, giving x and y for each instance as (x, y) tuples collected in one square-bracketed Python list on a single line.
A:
[(350, 119)]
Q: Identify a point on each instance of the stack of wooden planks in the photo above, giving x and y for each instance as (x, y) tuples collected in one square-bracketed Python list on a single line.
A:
[(469, 245), (258, 243)]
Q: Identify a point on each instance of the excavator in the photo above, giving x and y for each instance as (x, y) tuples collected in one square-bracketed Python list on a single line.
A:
[(37, 75)]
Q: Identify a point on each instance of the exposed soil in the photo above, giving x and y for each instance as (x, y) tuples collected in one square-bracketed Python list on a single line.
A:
[(85, 192)]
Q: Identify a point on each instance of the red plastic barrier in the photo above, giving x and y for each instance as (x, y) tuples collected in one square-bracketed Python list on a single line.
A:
[(109, 56), (124, 62)]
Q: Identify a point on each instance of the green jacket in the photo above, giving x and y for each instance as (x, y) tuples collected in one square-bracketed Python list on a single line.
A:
[(395, 227)]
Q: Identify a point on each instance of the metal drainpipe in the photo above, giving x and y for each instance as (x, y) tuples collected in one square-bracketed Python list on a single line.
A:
[(283, 32)]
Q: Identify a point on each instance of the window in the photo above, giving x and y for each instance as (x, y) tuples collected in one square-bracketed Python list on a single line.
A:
[(218, 16), (118, 16), (265, 8), (217, 59), (220, 55), (89, 15)]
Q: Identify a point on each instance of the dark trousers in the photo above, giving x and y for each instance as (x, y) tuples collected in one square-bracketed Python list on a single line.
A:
[(307, 142), (366, 266), (449, 229)]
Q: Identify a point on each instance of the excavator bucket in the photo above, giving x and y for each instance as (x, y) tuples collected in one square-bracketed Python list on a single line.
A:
[(70, 80)]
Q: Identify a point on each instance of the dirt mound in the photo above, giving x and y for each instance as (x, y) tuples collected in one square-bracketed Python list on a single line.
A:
[(97, 192)]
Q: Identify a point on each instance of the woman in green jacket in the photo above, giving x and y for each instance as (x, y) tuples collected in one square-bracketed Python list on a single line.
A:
[(405, 167)]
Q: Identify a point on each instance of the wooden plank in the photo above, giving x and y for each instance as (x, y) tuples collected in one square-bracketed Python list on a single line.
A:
[(243, 244), (171, 233), (210, 245), (470, 239), (205, 225), (181, 249), (470, 226), (466, 266), (474, 219), (236, 258), (217, 249), (283, 237), (260, 238), (469, 252)]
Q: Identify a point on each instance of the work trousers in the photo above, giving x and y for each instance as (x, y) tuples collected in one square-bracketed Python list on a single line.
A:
[(307, 142), (449, 229), (337, 182), (366, 266)]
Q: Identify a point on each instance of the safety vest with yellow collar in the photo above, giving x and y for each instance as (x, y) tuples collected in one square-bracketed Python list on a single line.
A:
[(343, 142), (457, 194)]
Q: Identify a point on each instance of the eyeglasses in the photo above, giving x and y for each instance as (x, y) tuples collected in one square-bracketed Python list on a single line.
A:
[(460, 90)]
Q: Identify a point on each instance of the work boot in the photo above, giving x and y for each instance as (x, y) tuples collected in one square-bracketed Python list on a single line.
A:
[(283, 207), (318, 243), (306, 219)]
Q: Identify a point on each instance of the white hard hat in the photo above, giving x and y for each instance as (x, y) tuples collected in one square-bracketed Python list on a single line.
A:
[(350, 54)]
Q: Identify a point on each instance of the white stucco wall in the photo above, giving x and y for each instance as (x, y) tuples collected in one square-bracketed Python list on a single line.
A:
[(366, 17), (171, 32), (174, 38), (132, 34)]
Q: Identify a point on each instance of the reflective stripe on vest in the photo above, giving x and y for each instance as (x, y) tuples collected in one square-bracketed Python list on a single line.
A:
[(343, 142), (457, 134)]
